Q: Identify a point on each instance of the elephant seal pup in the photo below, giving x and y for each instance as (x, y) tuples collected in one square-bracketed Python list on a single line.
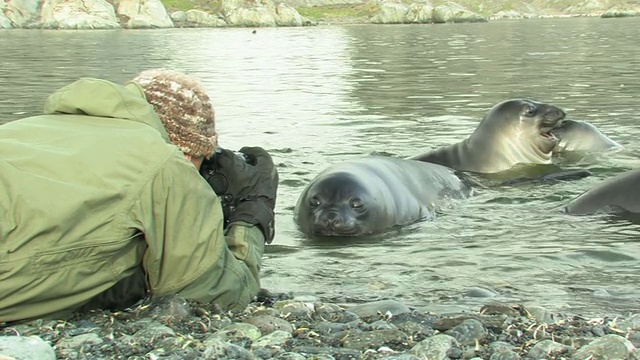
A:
[(581, 136), (616, 195), (513, 132), (373, 194)]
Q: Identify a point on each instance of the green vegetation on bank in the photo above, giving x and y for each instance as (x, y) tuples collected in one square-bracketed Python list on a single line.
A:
[(348, 13), (210, 6), (333, 12)]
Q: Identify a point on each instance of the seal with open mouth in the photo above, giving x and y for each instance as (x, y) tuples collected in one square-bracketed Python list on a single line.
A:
[(516, 131)]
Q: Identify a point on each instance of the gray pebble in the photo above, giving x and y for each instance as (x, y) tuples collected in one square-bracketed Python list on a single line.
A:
[(268, 324), (152, 329), (435, 347), (236, 331), (454, 353), (26, 348), (608, 347), (380, 308), (540, 314), (79, 340), (382, 325), (468, 332), (276, 338), (500, 346), (373, 339), (402, 357), (545, 348), (295, 309), (505, 355)]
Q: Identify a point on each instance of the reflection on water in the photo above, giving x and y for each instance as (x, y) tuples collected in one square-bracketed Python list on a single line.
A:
[(315, 96)]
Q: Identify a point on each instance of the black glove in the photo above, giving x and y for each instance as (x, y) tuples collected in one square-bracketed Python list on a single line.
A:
[(247, 186)]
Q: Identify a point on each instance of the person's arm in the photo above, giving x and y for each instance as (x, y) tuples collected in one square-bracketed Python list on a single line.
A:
[(187, 253)]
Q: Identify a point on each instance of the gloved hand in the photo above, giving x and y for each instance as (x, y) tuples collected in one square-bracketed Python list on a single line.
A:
[(247, 186)]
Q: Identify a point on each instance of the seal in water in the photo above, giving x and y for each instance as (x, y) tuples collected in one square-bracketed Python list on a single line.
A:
[(373, 194), (581, 136), (513, 132), (616, 195)]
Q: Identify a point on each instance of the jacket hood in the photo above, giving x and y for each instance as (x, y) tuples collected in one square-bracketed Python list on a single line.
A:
[(101, 98)]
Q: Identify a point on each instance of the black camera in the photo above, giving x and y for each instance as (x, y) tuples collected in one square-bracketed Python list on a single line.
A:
[(218, 182)]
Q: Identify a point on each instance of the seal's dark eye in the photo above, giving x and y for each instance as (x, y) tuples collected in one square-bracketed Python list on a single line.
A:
[(530, 111), (314, 201), (357, 204)]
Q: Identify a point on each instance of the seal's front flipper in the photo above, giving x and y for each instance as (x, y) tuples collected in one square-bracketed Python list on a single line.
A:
[(566, 175)]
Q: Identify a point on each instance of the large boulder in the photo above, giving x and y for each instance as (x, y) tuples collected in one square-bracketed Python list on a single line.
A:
[(78, 14), (617, 12), (285, 15), (202, 19), (454, 13), (18, 13), (254, 13), (390, 13), (143, 14), (249, 13), (419, 13)]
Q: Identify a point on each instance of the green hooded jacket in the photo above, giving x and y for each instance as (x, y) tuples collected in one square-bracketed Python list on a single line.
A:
[(93, 191)]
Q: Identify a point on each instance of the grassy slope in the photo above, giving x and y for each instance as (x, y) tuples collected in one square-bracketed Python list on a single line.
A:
[(362, 12)]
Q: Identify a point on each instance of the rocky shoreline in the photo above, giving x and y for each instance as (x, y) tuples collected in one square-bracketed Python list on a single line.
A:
[(151, 14), (284, 327)]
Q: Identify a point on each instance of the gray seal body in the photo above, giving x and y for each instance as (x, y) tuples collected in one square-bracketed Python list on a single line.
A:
[(374, 194)]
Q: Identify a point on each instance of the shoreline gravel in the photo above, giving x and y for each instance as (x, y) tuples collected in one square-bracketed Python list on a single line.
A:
[(279, 326)]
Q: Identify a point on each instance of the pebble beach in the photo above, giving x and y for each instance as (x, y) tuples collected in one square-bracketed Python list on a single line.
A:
[(280, 326)]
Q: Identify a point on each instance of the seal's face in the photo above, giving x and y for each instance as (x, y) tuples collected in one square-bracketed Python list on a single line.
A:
[(338, 205), (530, 123)]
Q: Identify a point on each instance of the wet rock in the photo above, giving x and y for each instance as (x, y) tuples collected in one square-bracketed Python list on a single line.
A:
[(608, 347), (546, 348), (216, 348), (630, 324), (435, 347), (468, 332), (268, 324), (79, 340), (237, 331), (500, 346), (328, 328), (152, 330), (539, 314), (505, 355), (373, 339), (276, 338), (377, 308), (290, 356), (330, 312), (25, 348), (296, 309), (322, 352), (382, 325), (402, 357)]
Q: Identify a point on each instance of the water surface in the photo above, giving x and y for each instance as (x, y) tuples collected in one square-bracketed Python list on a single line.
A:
[(317, 95)]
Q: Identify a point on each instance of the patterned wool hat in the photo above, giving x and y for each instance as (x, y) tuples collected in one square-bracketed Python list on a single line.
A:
[(184, 107)]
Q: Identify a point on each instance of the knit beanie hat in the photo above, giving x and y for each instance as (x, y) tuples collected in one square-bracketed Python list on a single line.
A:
[(184, 108)]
